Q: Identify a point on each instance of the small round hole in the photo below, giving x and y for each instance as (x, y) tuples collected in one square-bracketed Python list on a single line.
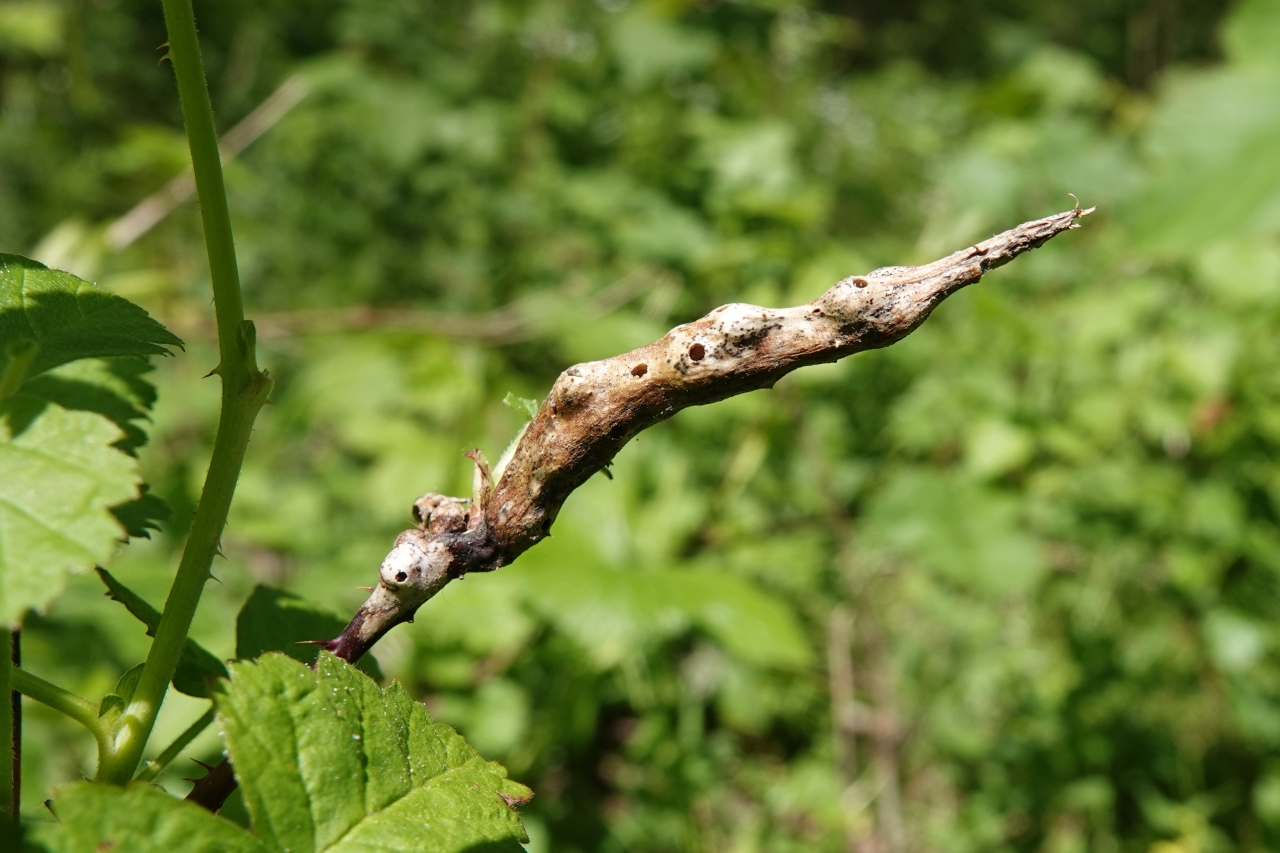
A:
[(401, 577), (639, 370), (697, 352)]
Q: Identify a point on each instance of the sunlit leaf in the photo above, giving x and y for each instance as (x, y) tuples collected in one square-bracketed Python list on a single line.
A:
[(69, 319), (61, 477), (97, 818), (330, 762)]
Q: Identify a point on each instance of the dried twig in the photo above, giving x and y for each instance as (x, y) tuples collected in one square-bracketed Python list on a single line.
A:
[(595, 408)]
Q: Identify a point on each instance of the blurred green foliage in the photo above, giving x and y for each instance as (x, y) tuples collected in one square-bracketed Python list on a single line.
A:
[(1050, 515)]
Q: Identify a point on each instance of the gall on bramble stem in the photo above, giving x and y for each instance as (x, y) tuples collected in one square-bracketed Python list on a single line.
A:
[(597, 407)]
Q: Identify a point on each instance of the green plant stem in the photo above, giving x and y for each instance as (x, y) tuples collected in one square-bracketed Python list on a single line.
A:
[(244, 390), (78, 708), (156, 766), (19, 354), (234, 428), (206, 163), (15, 705), (8, 794)]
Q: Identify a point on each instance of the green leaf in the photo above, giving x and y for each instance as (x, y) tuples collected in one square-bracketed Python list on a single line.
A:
[(117, 389), (95, 818), (118, 699), (142, 514), (522, 404), (273, 620), (61, 476), (112, 387), (328, 761), (70, 319), (196, 666)]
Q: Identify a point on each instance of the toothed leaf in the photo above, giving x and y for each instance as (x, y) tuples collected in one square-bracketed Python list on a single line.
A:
[(97, 818), (70, 319), (328, 761), (196, 666), (61, 477)]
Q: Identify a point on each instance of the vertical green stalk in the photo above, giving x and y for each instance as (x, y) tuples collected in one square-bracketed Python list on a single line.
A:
[(244, 390), (15, 707), (19, 355), (8, 755)]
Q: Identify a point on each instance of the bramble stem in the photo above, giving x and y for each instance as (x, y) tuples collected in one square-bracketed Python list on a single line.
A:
[(244, 391), (19, 354), (156, 766), (8, 753), (206, 163)]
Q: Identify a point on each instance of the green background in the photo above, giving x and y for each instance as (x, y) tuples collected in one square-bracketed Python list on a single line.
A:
[(1048, 519)]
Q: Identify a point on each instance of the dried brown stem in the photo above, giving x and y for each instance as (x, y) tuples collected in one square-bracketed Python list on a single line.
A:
[(596, 408)]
